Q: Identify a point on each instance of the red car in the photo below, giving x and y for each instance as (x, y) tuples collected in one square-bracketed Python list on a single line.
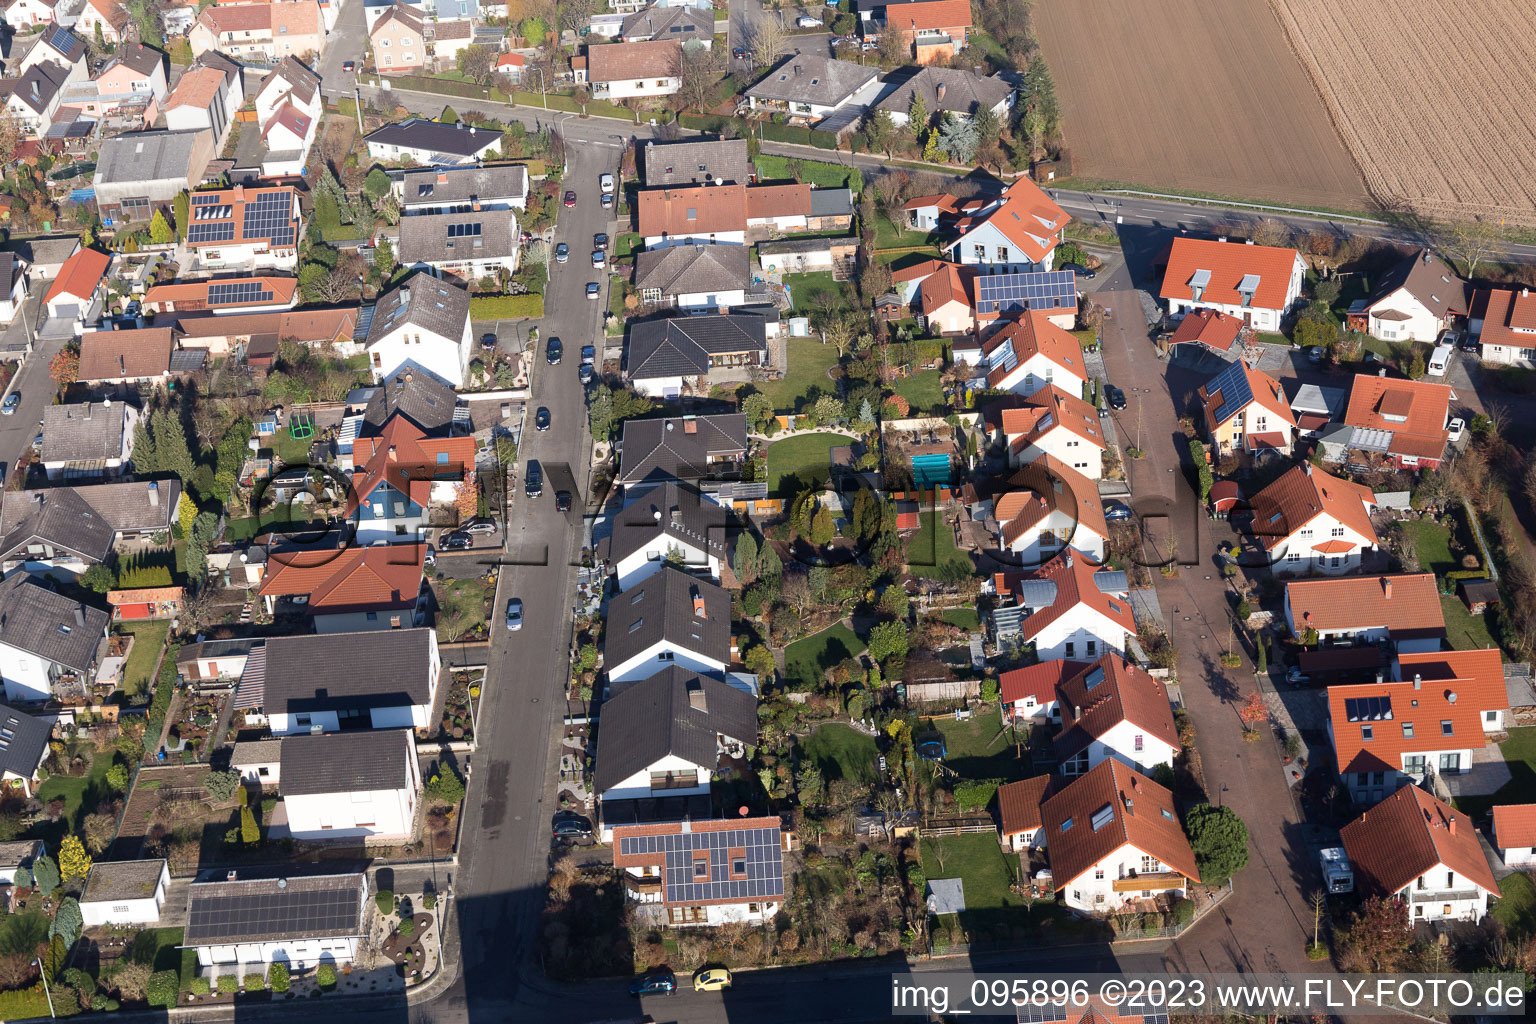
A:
[(570, 200)]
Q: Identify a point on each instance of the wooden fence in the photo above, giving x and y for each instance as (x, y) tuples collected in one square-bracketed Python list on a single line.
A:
[(958, 826), (954, 689)]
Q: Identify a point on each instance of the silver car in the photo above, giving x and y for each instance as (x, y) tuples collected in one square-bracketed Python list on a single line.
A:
[(515, 614)]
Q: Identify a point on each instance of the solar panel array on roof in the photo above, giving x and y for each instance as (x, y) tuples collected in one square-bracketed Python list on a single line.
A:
[(270, 216), (1235, 392), (61, 39), (761, 858), (1367, 709), (1015, 293), (281, 912), (464, 230), (1042, 1013), (218, 231), (238, 292)]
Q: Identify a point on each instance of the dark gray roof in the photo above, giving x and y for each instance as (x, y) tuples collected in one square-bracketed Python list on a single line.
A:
[(681, 346), (346, 762), (662, 608), (137, 57), (673, 712), (59, 516), (1427, 279), (459, 140), (461, 184), (422, 301), (49, 625), (697, 163), (23, 741), (301, 81), (687, 269), (48, 250), (677, 447), (811, 78), (831, 202), (83, 432), (20, 851), (9, 269), (668, 510), (347, 671), (419, 397), (217, 649), (38, 85), (680, 23), (456, 237), (312, 907), (111, 880), (148, 156), (964, 91), (64, 43)]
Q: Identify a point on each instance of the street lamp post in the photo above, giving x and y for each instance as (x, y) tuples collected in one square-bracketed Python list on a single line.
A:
[(543, 90), (46, 993)]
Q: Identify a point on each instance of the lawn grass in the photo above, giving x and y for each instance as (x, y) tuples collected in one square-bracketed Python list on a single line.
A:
[(465, 598), (1464, 631), (148, 639), (965, 618), (805, 379), (842, 753), (890, 235), (1432, 545), (994, 914), (159, 948), (932, 548), (1085, 337), (980, 863), (806, 661), (812, 292), (626, 244), (1516, 908), (245, 529), (796, 463), (812, 172), (924, 390), (980, 748), (1520, 756), (80, 793)]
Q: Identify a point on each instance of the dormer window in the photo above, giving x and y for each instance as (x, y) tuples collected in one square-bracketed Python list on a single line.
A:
[(1198, 283)]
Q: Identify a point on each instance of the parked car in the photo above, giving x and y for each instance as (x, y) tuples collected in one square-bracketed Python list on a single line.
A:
[(570, 199), (589, 353), (606, 182), (1117, 512), (533, 480), (12, 400), (1296, 677), (570, 825), (431, 556), (479, 526), (586, 373), (1079, 270), (593, 289), (1315, 354), (552, 351), (562, 501), (488, 341), (541, 419), (1114, 397), (514, 614), (806, 21), (1457, 426), (712, 979), (599, 259), (600, 241), (607, 200), (870, 44), (658, 983), (739, 53), (456, 541), (562, 253), (37, 442), (349, 65)]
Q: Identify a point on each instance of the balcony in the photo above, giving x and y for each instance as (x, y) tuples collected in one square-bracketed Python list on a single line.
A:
[(1156, 881), (1431, 896)]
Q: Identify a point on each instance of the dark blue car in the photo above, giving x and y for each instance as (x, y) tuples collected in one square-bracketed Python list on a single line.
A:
[(659, 983)]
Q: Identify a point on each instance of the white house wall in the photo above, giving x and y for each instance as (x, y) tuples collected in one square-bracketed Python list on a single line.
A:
[(1072, 449), (649, 662), (1120, 743), (643, 564), (25, 675), (1090, 893), (1080, 627), (638, 785), (377, 813), (299, 954)]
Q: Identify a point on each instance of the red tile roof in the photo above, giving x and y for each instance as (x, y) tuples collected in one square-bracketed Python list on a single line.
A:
[(1026, 420), (714, 209), (1031, 335), (1514, 825), (626, 62), (1044, 486), (1509, 316), (943, 200), (1039, 680), (1228, 263), (216, 206), (115, 355), (80, 275), (387, 577), (1207, 327), (930, 14), (1407, 834), (1304, 493), (406, 459), (1106, 693), (510, 60), (1027, 217), (1407, 604), (1073, 576), (1018, 803), (948, 283), (764, 201), (197, 88), (1414, 412), (190, 295), (1143, 816)]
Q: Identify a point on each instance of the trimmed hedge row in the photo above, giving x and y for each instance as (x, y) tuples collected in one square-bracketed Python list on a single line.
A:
[(506, 307)]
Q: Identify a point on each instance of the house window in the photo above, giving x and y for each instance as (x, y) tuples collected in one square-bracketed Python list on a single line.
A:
[(674, 780), (301, 719), (738, 866), (121, 908), (1450, 879), (1071, 648), (980, 253), (1098, 874), (1445, 910), (1377, 778), (1337, 531), (1002, 254), (685, 915), (1077, 895), (1294, 556), (701, 870), (1139, 742), (666, 656), (1447, 729), (1418, 911), (1413, 764), (1150, 865), (1407, 730), (1490, 716), (1450, 763), (1367, 733)]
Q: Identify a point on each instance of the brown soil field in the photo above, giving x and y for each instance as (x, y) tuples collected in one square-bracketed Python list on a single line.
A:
[(1196, 95), (1440, 111)]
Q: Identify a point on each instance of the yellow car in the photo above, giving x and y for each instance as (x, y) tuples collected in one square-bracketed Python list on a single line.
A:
[(712, 979)]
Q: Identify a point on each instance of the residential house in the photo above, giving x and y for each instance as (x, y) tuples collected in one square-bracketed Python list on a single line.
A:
[(48, 642), (936, 30), (698, 214), (140, 603), (1415, 300), (106, 20), (202, 99), (421, 326), (1246, 410), (717, 161), (26, 13), (944, 293), (1112, 709), (1047, 508), (939, 210), (1049, 422), (209, 661), (88, 439), (470, 188), (13, 286), (809, 86), (132, 356), (399, 40), (245, 228), (1020, 826), (1067, 609), (1032, 353), (61, 46), (779, 207), (1401, 609), (680, 24), (400, 475), (668, 524), (424, 400), (464, 247), (1257, 284), (510, 66), (699, 278), (134, 71), (446, 40), (23, 752), (260, 32), (1403, 422), (376, 679), (1409, 846), (949, 91), (255, 335), (1114, 837), (263, 293), (288, 111), (1514, 834), (621, 71), (1310, 521), (1210, 331), (242, 924), (234, 75), (430, 142), (63, 530), (667, 358), (33, 98), (373, 10), (1030, 693), (45, 256), (686, 448), (350, 785), (124, 892), (350, 589), (1050, 294), (1503, 321), (669, 618), (1432, 719), (704, 872), (138, 173), (1016, 232)]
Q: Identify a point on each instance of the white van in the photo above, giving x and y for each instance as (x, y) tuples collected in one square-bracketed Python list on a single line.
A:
[(1440, 360)]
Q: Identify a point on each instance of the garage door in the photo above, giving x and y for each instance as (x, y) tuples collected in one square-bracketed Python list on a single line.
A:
[(64, 310)]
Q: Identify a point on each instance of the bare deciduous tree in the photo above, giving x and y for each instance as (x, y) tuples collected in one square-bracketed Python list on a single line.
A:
[(699, 69), (1269, 231), (765, 39), (1469, 242)]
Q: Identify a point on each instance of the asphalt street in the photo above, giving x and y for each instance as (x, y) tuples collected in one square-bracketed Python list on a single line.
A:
[(32, 382)]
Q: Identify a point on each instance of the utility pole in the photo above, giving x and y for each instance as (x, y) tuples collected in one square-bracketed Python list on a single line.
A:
[(357, 95), (46, 993)]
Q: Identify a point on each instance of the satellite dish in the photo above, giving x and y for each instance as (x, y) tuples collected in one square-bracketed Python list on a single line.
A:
[(743, 810)]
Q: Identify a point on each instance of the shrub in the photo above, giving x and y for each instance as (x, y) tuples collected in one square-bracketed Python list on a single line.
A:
[(228, 983), (1183, 912), (163, 986), (277, 977), (1317, 951), (445, 785), (45, 874), (117, 777), (222, 785), (407, 926), (250, 834), (67, 921), (1244, 609), (325, 976), (506, 307), (386, 901), (255, 982), (200, 986), (1219, 840)]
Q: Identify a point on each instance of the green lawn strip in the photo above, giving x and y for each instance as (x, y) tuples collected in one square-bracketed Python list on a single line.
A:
[(1465, 631), (1087, 336), (980, 748), (994, 914), (80, 793), (796, 463), (813, 172), (924, 390), (626, 243), (841, 753), (805, 661), (1432, 546), (965, 618), (807, 290), (1520, 757), (148, 638), (467, 597), (806, 376), (933, 547), (889, 235)]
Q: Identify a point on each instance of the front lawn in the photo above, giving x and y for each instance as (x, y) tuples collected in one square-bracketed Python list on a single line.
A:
[(1431, 545), (965, 618), (842, 753), (817, 173), (797, 463), (889, 235), (994, 914), (148, 639), (812, 293), (805, 378), (1520, 756), (933, 547), (626, 244), (924, 391), (806, 661), (463, 608), (980, 748)]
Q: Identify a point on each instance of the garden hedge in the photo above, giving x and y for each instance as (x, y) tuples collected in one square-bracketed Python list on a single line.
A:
[(506, 307)]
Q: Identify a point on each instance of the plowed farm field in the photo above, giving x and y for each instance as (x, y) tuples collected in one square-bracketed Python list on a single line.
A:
[(1436, 100), (1201, 95)]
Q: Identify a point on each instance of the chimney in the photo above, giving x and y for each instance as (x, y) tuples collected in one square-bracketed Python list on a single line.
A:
[(1130, 807), (698, 605), (1307, 467), (79, 615), (1452, 825), (697, 699), (87, 410), (1380, 677), (442, 177), (1069, 559), (1386, 588), (153, 490), (690, 426), (942, 90), (677, 514), (474, 203), (1426, 256), (1077, 711), (394, 456), (1525, 292), (1418, 681)]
